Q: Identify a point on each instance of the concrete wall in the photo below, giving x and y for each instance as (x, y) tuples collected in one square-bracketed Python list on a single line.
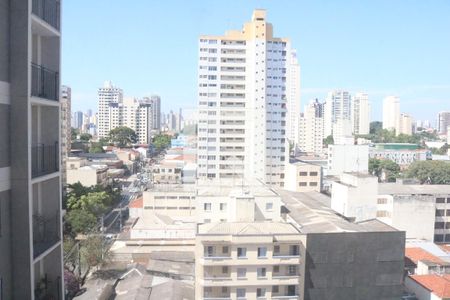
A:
[(4, 135), (4, 40), (5, 246), (354, 265)]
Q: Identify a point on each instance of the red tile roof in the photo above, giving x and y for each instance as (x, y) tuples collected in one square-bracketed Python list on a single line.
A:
[(446, 248), (438, 284), (415, 254), (137, 203)]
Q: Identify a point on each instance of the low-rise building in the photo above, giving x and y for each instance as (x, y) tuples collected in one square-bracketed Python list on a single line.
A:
[(423, 211), (249, 260), (402, 154), (78, 170), (431, 286), (175, 201), (354, 196), (168, 172), (347, 158), (302, 176)]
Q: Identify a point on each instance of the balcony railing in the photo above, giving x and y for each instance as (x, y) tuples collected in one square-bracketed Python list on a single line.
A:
[(44, 82), (46, 233), (47, 10), (44, 159)]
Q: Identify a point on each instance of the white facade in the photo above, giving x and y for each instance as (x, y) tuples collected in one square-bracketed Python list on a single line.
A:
[(443, 122), (391, 113), (107, 95), (311, 128), (348, 158), (361, 113), (243, 83), (355, 196), (337, 107), (293, 99)]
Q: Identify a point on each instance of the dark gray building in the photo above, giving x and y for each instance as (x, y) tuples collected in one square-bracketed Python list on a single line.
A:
[(30, 184), (346, 260)]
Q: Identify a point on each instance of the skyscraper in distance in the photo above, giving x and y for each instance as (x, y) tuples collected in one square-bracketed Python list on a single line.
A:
[(360, 113), (391, 113), (293, 98), (108, 94), (443, 122), (337, 107), (243, 93)]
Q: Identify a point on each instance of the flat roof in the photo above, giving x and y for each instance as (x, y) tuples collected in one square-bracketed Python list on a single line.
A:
[(256, 189), (398, 188), (247, 228), (312, 215)]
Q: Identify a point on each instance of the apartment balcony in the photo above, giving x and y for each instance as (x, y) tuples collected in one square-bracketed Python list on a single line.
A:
[(216, 293), (48, 11), (46, 233), (44, 159), (44, 82)]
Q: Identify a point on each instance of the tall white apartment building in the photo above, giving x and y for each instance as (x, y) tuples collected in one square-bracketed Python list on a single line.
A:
[(443, 121), (311, 128), (405, 124), (337, 107), (66, 130), (361, 113), (108, 94), (293, 99), (391, 113), (243, 81), (155, 102)]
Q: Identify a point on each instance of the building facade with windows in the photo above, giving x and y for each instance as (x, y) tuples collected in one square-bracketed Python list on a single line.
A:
[(108, 95), (66, 129), (361, 113), (31, 265), (243, 80), (311, 128)]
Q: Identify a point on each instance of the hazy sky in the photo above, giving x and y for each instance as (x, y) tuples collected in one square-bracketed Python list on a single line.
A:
[(144, 47)]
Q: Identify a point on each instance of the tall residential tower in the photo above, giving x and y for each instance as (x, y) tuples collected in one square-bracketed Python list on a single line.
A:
[(391, 113), (361, 113), (30, 183), (243, 92)]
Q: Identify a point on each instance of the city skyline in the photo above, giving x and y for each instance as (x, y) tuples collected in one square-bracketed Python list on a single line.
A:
[(419, 76)]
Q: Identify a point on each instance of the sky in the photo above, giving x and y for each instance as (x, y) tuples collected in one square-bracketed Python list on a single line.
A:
[(382, 47)]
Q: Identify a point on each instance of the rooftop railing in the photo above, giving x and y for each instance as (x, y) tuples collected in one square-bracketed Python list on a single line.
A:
[(44, 82), (44, 159)]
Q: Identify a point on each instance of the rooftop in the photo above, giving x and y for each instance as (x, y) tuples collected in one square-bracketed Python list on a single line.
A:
[(247, 228), (310, 212), (416, 254), (137, 203), (438, 284), (407, 189)]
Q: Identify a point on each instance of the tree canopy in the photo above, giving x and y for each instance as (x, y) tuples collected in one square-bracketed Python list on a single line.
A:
[(430, 171), (123, 136), (161, 141), (384, 169), (328, 140), (85, 137)]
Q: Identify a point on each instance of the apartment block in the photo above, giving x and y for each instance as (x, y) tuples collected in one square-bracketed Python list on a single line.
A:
[(311, 128), (337, 109), (406, 123), (30, 145), (391, 113), (175, 201), (361, 113), (249, 260), (78, 170), (443, 122), (66, 129), (303, 176), (243, 81), (108, 95)]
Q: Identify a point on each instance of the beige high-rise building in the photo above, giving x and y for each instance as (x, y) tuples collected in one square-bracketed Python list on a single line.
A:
[(31, 259), (391, 113), (244, 90), (311, 128), (405, 124)]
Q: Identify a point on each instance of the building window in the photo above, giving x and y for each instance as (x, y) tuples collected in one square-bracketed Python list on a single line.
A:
[(439, 225), (381, 201), (302, 183), (440, 212), (275, 289), (261, 272), (207, 206), (292, 270), (276, 249), (276, 269), (260, 293), (225, 249), (313, 184), (224, 269), (241, 252), (440, 200), (241, 272), (269, 206), (240, 293), (262, 251), (294, 250), (209, 251), (313, 173), (303, 173), (438, 238), (224, 290), (223, 206)]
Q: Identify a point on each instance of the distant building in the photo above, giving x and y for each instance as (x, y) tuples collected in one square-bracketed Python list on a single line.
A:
[(66, 128), (443, 122), (405, 124), (391, 113), (107, 95), (78, 170), (77, 120), (402, 154), (311, 128), (337, 108), (348, 158), (361, 113)]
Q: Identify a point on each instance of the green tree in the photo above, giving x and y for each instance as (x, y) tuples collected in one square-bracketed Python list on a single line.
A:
[(328, 140), (430, 171), (123, 136), (375, 127), (74, 133), (81, 221), (85, 137), (95, 203), (161, 141), (385, 170), (94, 251), (96, 148)]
